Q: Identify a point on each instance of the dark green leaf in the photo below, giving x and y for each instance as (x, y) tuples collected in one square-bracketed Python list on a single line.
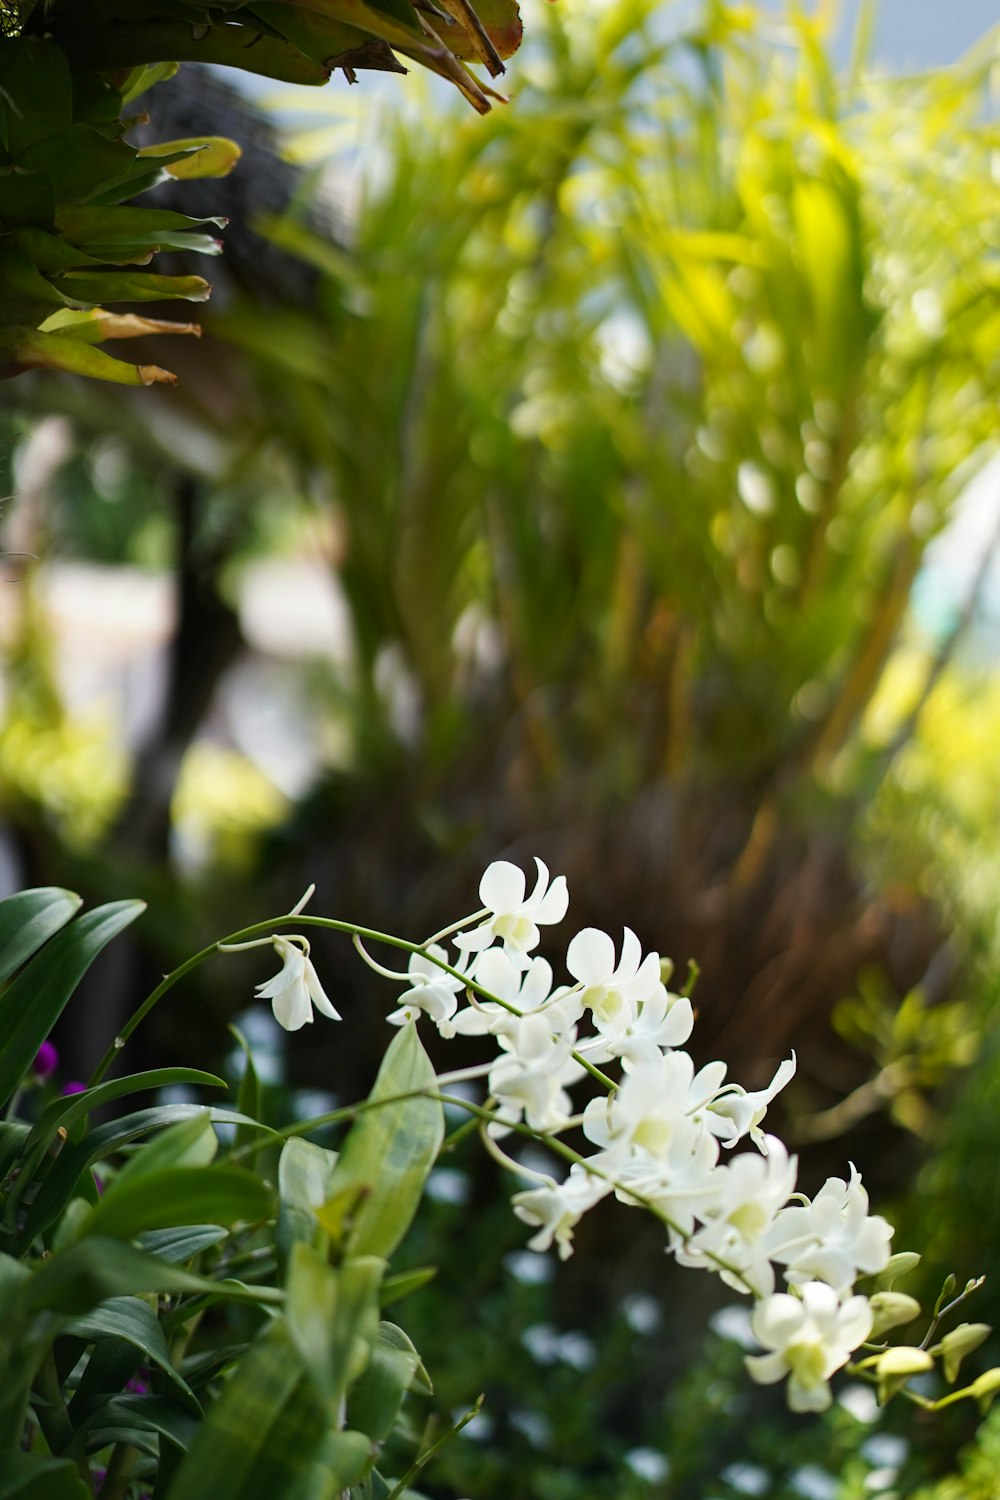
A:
[(34, 1476), (181, 1245), (180, 1195), (28, 920), (152, 1413), (62, 1181), (133, 1320), (67, 1111), (34, 1001)]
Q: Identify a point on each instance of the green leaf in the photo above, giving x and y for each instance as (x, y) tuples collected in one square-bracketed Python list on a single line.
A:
[(178, 1196), (198, 157), (391, 1149), (182, 1244), (132, 286), (403, 1283), (61, 1182), (123, 45), (35, 1476), (92, 1271), (32, 1004), (132, 1320), (27, 349), (190, 1142), (28, 920), (79, 162), (26, 198), (72, 1108), (150, 1413), (375, 1399), (36, 92), (260, 1437), (304, 1175), (332, 1316), (93, 226)]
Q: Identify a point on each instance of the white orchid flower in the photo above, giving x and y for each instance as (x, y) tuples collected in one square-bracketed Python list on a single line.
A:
[(739, 1112), (296, 989), (612, 992), (432, 991), (682, 1182), (558, 1207), (652, 1103), (525, 989), (809, 1337), (751, 1191), (512, 917), (833, 1238)]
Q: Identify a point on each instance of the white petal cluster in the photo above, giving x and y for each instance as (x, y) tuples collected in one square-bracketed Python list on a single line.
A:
[(658, 1131), (664, 1135)]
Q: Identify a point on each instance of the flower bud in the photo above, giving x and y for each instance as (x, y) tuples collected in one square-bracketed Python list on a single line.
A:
[(891, 1309), (896, 1266), (958, 1343)]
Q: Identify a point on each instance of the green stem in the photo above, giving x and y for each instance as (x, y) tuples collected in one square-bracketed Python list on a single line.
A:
[(942, 1313), (331, 924), (119, 1472)]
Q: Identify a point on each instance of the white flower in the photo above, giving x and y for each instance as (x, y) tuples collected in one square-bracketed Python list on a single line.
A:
[(750, 1191), (296, 989), (432, 991), (526, 990), (809, 1337), (510, 915), (612, 993), (740, 1113), (833, 1238), (652, 1103), (558, 1208), (682, 1182), (531, 1075)]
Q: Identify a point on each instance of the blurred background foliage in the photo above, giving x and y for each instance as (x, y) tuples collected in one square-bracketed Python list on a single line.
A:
[(588, 481)]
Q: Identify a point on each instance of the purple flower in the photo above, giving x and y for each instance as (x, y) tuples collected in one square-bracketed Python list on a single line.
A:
[(46, 1061), (76, 1087)]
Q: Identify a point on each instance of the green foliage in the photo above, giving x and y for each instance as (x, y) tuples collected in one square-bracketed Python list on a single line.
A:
[(133, 1356), (663, 411), (69, 72)]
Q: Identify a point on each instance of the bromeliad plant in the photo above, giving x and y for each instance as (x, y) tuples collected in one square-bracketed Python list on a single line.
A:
[(70, 73), (181, 1320)]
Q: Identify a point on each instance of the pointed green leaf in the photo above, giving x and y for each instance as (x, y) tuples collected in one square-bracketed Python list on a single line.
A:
[(131, 286), (262, 1434), (27, 349), (304, 1175), (32, 1004), (72, 1108), (28, 920), (131, 1319), (176, 1196), (61, 1183), (391, 1148), (182, 1244)]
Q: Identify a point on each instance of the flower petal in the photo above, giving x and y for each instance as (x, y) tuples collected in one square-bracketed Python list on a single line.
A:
[(502, 886), (590, 957)]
